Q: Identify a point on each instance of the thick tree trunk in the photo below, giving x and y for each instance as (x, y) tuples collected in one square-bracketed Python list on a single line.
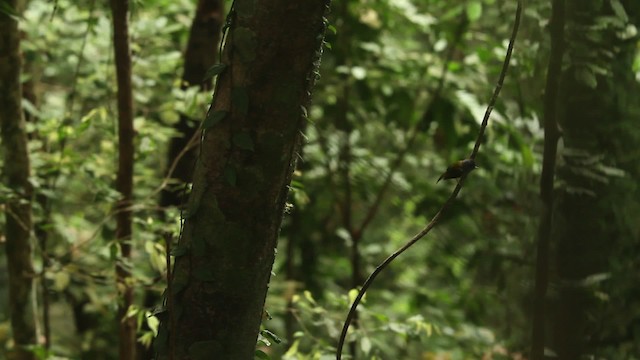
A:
[(200, 55), (16, 172), (598, 126), (241, 180), (124, 180)]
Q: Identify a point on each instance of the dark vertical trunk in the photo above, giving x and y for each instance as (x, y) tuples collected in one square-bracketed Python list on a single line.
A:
[(551, 136), (124, 179), (587, 222), (240, 188), (201, 53), (16, 172)]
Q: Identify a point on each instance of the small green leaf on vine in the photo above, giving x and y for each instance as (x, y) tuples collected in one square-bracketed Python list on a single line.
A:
[(213, 118), (259, 354), (244, 42), (215, 70), (268, 334), (192, 207), (179, 250)]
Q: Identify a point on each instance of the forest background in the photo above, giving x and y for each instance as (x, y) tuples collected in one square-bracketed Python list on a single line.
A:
[(402, 90)]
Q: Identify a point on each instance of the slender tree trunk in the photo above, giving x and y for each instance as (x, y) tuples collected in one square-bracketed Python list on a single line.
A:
[(596, 122), (16, 172), (124, 180), (201, 53), (241, 181), (551, 136)]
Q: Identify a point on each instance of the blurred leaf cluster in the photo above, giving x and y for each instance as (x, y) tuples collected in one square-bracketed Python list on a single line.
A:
[(464, 292)]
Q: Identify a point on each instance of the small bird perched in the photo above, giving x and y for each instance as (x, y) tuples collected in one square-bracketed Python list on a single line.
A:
[(457, 169)]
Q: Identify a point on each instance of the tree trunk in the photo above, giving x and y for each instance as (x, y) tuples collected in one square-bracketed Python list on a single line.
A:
[(241, 181), (16, 172), (200, 55), (124, 180), (551, 136), (599, 136)]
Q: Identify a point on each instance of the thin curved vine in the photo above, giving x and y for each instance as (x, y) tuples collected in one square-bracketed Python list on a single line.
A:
[(452, 197)]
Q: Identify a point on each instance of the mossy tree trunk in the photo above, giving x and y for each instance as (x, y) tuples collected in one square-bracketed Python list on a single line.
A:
[(226, 253), (124, 179), (599, 122), (16, 173)]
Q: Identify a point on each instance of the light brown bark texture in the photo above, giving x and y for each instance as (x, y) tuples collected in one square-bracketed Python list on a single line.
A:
[(225, 256), (124, 179), (16, 173)]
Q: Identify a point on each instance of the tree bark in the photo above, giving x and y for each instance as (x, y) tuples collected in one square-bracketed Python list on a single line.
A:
[(124, 179), (241, 180), (598, 124), (16, 172), (551, 136), (201, 53)]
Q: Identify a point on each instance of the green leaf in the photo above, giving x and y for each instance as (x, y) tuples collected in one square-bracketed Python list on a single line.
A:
[(268, 334), (332, 29), (243, 141), (244, 42), (365, 345), (230, 175), (619, 10), (179, 250), (215, 70), (586, 77), (180, 282), (259, 354), (474, 10), (213, 118), (240, 99), (7, 9), (192, 207)]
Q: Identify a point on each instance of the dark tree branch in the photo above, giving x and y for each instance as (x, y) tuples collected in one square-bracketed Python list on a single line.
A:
[(15, 175), (551, 136), (449, 201), (124, 178), (168, 239)]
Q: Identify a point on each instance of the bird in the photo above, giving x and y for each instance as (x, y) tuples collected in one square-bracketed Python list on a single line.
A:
[(458, 169)]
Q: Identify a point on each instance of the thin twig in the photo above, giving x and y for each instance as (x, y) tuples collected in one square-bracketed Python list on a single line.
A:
[(496, 92), (172, 322), (449, 201)]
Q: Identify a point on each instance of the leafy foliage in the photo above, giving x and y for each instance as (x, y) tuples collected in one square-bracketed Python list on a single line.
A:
[(462, 293)]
